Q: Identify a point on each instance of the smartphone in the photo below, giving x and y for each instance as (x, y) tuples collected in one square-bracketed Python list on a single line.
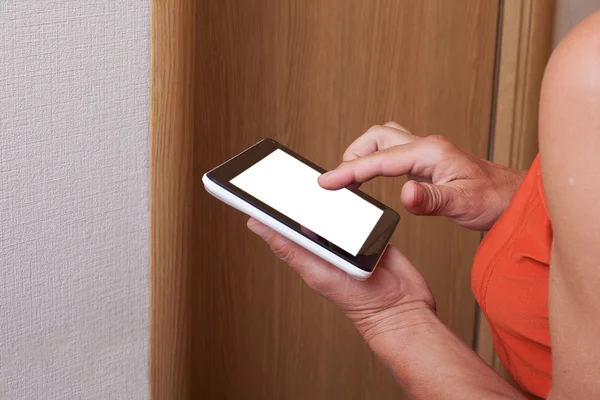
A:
[(280, 188)]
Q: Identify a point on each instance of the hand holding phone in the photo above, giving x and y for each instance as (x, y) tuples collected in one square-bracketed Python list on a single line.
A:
[(279, 188)]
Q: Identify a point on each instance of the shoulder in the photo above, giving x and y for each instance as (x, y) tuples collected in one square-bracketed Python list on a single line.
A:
[(578, 51), (573, 69), (569, 120)]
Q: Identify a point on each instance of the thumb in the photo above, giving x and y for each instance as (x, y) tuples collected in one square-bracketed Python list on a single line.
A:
[(423, 198)]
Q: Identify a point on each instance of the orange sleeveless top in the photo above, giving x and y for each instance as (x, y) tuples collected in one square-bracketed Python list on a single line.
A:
[(510, 282)]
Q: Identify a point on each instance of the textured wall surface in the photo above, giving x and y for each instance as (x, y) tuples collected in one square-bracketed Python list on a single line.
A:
[(74, 93)]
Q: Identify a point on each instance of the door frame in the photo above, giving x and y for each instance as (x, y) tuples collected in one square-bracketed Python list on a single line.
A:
[(524, 46)]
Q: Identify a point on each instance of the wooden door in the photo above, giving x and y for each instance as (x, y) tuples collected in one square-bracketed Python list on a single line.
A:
[(229, 321)]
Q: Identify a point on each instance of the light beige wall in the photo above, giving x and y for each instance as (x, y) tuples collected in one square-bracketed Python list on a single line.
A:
[(74, 100), (569, 13)]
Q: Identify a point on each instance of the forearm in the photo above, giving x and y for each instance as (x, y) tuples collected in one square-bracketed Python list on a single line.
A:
[(432, 363)]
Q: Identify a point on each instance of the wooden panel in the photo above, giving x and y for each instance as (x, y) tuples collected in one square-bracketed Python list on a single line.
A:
[(229, 321), (526, 46), (526, 35)]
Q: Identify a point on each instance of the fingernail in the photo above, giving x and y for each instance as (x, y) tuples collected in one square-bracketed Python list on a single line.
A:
[(260, 229), (328, 175)]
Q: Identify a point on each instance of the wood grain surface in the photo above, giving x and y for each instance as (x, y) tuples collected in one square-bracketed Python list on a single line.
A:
[(526, 44), (228, 320)]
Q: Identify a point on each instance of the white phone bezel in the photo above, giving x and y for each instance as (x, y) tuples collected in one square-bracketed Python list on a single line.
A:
[(252, 211)]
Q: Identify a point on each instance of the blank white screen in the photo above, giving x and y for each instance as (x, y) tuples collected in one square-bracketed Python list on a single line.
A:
[(290, 187)]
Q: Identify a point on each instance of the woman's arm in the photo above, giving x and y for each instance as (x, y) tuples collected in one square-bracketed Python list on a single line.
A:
[(394, 311), (431, 362), (570, 156)]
